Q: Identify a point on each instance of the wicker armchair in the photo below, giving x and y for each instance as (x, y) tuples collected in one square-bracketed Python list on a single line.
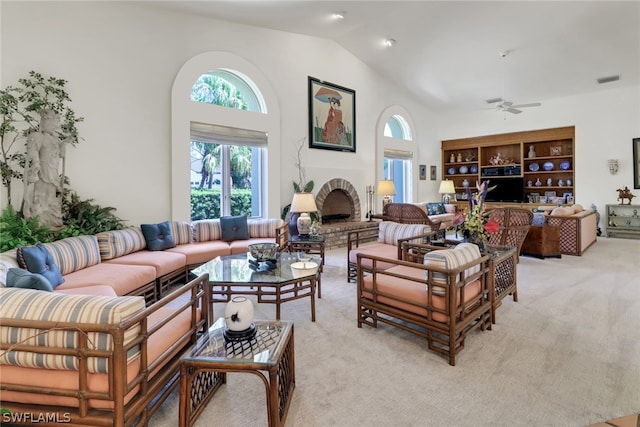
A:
[(514, 226)]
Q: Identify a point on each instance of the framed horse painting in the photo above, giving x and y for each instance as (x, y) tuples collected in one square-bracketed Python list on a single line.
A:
[(332, 116)]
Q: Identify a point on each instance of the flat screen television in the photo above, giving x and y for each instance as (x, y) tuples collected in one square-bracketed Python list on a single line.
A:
[(508, 189)]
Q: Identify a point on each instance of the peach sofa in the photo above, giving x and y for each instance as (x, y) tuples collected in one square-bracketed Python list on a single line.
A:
[(72, 358), (120, 258)]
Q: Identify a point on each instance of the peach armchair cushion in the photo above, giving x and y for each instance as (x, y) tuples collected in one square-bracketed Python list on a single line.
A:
[(414, 291), (27, 304)]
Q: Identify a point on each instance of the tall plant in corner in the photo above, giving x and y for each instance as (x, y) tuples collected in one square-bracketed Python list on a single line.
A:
[(20, 108)]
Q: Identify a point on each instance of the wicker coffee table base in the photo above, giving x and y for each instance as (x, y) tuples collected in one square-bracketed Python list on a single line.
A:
[(199, 380)]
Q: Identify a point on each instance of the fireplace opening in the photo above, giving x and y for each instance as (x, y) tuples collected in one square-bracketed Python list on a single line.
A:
[(338, 201), (336, 207)]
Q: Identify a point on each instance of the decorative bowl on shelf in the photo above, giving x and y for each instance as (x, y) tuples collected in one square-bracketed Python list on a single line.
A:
[(451, 171), (464, 169), (534, 167), (548, 166), (565, 165), (474, 169), (263, 251)]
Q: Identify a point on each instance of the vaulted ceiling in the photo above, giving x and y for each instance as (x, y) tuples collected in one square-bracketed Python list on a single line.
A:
[(448, 53)]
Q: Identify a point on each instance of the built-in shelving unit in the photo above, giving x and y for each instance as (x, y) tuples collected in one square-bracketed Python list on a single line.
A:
[(540, 163), (623, 221)]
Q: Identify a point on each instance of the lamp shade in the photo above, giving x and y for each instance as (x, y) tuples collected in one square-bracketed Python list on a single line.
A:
[(386, 188), (446, 187), (303, 202)]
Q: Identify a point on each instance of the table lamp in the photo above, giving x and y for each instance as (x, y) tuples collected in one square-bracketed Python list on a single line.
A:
[(303, 203), (446, 188), (387, 189)]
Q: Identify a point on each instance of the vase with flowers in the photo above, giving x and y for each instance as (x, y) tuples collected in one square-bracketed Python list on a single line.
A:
[(472, 222)]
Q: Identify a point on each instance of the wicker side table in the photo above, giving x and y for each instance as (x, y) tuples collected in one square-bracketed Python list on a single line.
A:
[(503, 264)]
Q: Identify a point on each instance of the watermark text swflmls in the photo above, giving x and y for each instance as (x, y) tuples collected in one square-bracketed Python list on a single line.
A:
[(35, 417)]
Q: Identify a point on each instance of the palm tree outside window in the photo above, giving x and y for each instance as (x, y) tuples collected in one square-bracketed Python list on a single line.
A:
[(226, 163)]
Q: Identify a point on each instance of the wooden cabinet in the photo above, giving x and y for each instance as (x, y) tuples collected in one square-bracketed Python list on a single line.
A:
[(623, 221), (543, 160)]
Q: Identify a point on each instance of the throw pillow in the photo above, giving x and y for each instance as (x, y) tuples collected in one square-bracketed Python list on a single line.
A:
[(37, 259), (19, 278), (234, 228), (436, 208), (158, 236), (450, 259)]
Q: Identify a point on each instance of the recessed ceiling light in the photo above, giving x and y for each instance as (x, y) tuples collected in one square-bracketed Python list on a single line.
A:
[(339, 15), (389, 42)]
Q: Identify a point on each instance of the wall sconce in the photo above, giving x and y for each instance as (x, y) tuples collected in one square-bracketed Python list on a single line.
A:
[(613, 166)]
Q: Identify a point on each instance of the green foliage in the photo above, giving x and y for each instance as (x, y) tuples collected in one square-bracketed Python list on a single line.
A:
[(83, 217), (205, 204), (17, 231), (20, 114)]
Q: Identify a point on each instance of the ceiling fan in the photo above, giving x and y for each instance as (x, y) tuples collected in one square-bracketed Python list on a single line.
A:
[(508, 106)]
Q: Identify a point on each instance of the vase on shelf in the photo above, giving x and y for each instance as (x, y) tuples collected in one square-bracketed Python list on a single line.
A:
[(532, 152)]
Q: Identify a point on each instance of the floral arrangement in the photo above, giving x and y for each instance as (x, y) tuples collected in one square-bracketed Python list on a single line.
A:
[(473, 223)]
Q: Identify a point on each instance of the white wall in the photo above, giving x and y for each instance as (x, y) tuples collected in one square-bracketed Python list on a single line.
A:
[(121, 61), (605, 122)]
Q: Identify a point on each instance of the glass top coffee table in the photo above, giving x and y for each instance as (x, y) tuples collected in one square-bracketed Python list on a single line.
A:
[(269, 355), (233, 275)]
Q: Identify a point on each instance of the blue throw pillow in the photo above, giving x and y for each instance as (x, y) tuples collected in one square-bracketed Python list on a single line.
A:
[(158, 236), (436, 208), (234, 228), (19, 278), (37, 259)]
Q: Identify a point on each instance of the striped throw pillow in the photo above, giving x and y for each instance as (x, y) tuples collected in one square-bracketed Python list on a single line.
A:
[(389, 232), (26, 304), (450, 259), (116, 243), (207, 230), (74, 253), (182, 232), (263, 227)]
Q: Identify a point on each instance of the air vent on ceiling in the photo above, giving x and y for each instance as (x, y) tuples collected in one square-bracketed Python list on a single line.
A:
[(608, 79), (493, 100)]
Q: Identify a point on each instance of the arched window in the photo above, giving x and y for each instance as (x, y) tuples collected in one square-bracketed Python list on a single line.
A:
[(397, 148), (226, 162), (221, 129), (397, 127)]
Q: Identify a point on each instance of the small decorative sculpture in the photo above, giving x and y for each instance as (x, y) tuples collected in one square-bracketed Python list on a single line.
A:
[(459, 157), (532, 152), (624, 193)]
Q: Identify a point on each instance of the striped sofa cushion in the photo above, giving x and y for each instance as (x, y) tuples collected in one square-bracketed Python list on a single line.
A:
[(116, 243), (74, 253), (450, 259), (27, 304), (207, 230), (389, 232), (264, 227), (182, 232)]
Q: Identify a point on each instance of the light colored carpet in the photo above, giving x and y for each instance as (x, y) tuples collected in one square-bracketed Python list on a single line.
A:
[(566, 354)]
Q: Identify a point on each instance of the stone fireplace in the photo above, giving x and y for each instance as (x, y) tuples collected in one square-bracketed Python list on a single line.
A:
[(340, 206), (338, 201)]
